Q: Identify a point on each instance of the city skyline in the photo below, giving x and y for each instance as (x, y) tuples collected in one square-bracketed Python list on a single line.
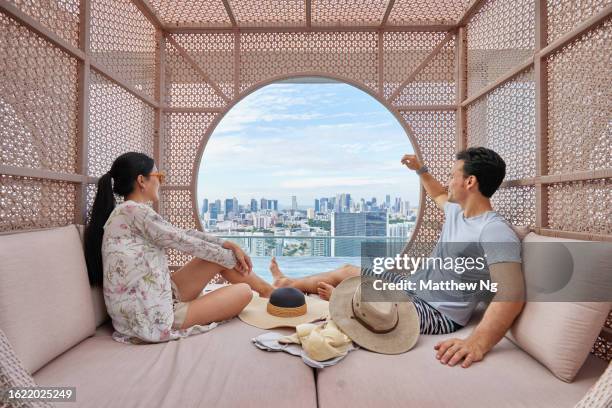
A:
[(302, 207), (307, 140)]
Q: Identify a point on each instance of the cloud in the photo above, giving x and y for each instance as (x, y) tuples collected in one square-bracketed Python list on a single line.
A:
[(325, 181), (291, 139)]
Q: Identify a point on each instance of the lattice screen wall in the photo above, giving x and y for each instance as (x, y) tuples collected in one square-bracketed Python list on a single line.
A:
[(84, 81)]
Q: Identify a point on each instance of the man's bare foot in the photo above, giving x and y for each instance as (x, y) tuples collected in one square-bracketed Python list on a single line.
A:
[(324, 290), (280, 280)]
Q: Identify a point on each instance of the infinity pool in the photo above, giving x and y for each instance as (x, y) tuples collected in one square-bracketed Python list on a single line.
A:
[(298, 266)]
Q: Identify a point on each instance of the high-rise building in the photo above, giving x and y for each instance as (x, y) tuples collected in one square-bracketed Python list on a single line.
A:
[(205, 206), (253, 205), (213, 210), (321, 246), (310, 213), (364, 224), (317, 206), (400, 230), (274, 205), (263, 204), (388, 201), (293, 203), (338, 201), (405, 210), (229, 206), (324, 205)]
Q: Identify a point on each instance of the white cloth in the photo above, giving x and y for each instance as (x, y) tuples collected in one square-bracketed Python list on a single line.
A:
[(273, 341), (136, 282)]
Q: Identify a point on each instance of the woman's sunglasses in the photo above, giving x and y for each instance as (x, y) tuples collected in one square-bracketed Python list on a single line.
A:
[(161, 176)]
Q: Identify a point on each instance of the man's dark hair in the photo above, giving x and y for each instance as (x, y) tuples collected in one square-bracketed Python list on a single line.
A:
[(487, 166)]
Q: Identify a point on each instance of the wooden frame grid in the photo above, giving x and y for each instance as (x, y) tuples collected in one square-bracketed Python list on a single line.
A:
[(538, 62), (86, 63)]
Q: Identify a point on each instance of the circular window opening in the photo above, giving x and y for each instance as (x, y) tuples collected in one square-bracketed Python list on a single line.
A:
[(307, 170)]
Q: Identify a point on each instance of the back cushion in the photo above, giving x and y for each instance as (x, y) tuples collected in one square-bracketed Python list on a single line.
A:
[(45, 299), (521, 231), (560, 334)]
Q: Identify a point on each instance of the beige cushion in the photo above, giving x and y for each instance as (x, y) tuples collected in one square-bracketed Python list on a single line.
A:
[(560, 334), (45, 297), (521, 231), (507, 377), (220, 368)]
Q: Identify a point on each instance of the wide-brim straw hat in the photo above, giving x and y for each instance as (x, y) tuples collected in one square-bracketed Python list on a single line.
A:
[(383, 327), (256, 313)]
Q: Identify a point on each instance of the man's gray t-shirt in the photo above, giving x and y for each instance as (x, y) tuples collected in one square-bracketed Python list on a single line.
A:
[(486, 235)]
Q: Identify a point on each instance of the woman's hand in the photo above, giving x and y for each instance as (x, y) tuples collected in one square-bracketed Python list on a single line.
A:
[(243, 264)]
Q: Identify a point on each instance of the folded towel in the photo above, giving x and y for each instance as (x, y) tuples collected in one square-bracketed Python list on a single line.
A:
[(317, 347)]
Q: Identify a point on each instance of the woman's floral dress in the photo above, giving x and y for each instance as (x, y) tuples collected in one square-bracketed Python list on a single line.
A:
[(137, 287)]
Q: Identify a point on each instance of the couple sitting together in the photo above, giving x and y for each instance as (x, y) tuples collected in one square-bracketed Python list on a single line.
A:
[(125, 248)]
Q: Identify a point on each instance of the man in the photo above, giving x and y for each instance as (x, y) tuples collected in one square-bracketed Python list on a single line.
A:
[(476, 174)]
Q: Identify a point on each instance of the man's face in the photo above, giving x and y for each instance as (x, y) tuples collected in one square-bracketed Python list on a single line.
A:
[(457, 183)]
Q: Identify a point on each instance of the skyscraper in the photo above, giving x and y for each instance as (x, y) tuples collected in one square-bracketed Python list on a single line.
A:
[(274, 205), (253, 205), (229, 206), (324, 205), (339, 203), (205, 206), (364, 224), (388, 201), (293, 203), (214, 210), (264, 204), (317, 207)]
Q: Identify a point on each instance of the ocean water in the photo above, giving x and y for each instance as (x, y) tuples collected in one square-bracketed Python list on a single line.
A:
[(299, 266)]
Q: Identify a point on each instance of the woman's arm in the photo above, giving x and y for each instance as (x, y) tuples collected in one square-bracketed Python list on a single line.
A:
[(204, 236), (164, 235)]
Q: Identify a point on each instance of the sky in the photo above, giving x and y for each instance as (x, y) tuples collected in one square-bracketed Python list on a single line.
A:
[(309, 140)]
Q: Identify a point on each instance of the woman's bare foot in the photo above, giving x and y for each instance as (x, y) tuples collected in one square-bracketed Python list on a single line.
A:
[(324, 290), (280, 280)]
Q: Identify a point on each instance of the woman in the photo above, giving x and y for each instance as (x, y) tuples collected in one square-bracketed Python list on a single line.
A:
[(125, 251)]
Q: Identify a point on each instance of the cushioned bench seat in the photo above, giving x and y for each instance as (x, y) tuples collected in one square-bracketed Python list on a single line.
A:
[(507, 377), (216, 369), (58, 326)]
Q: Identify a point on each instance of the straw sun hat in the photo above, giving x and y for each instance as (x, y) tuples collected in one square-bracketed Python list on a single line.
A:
[(382, 327), (286, 307)]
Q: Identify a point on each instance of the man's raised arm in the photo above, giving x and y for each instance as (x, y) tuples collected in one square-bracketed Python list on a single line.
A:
[(433, 187)]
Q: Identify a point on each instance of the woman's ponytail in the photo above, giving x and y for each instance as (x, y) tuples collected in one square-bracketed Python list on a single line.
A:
[(124, 170), (103, 205)]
